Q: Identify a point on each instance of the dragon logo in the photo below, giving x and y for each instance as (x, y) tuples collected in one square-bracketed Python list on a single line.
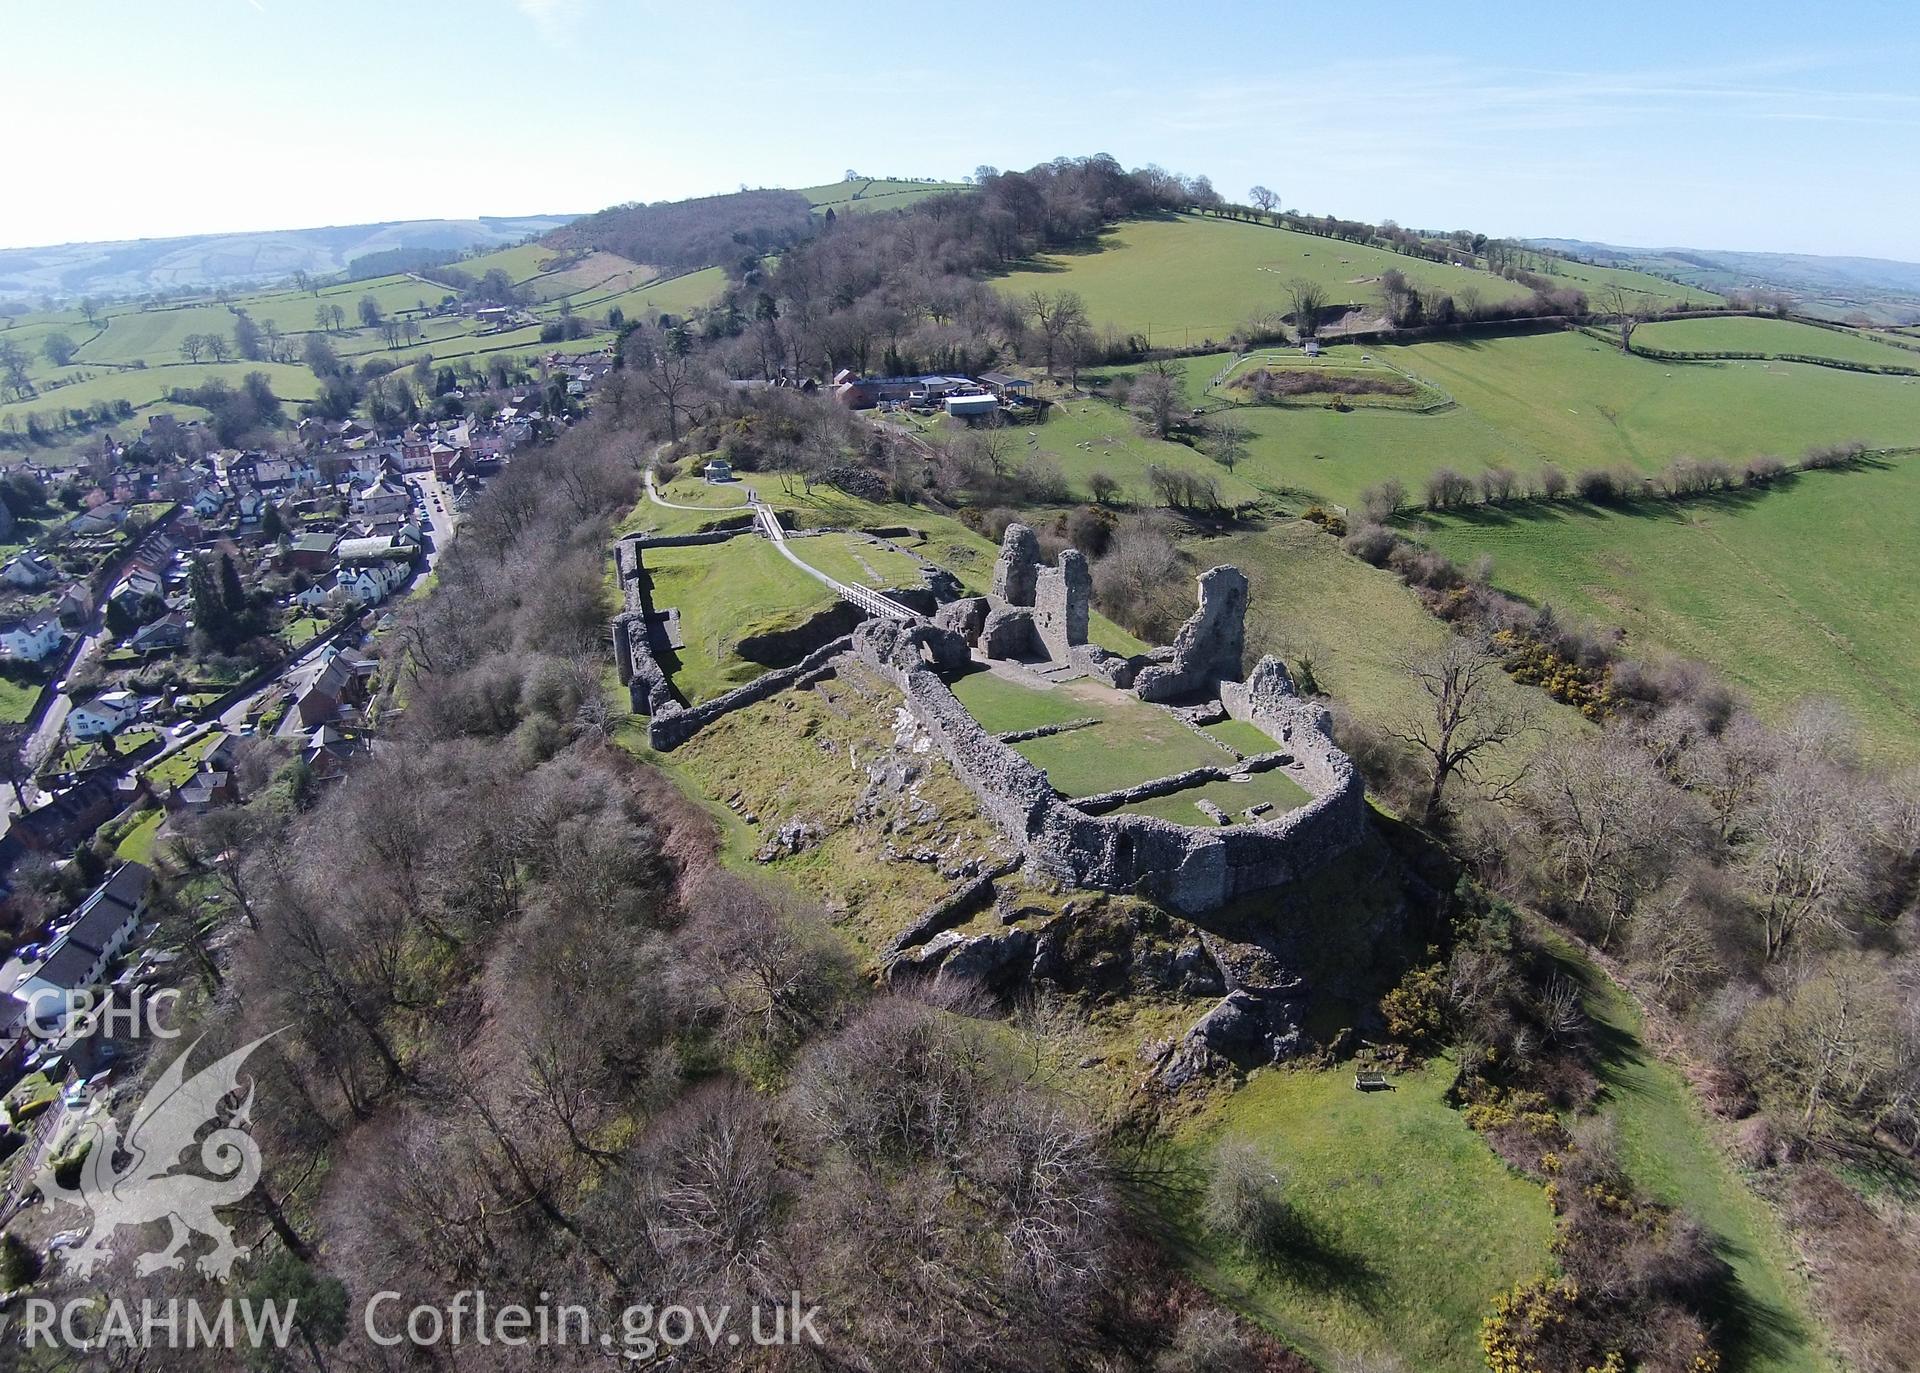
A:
[(167, 1123)]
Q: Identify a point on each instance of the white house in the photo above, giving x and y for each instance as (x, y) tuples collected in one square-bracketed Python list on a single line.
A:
[(31, 637), (370, 583), (101, 928), (107, 713)]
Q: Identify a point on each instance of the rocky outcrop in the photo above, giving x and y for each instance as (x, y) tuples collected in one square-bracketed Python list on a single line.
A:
[(1210, 646)]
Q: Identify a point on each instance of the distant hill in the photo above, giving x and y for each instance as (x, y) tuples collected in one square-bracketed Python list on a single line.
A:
[(682, 235), (1885, 290), (139, 266)]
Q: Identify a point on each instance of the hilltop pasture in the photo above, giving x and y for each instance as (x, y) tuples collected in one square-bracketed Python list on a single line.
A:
[(1185, 279)]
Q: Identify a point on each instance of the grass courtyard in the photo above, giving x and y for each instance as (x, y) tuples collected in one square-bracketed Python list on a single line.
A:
[(1182, 807), (1130, 742)]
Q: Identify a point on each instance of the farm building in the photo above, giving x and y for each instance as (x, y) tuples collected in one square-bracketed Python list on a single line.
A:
[(972, 407)]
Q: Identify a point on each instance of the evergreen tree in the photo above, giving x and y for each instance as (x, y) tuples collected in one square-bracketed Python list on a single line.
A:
[(233, 594)]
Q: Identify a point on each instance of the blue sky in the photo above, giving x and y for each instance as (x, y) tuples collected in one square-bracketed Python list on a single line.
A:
[(1752, 125)]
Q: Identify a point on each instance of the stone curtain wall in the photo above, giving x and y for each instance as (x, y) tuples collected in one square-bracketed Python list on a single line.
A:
[(1190, 869), (670, 721)]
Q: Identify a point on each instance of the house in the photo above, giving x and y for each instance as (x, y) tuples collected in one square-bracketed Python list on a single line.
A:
[(30, 571), (381, 499), (101, 928), (316, 597), (75, 606), (219, 753), (311, 552), (102, 519), (107, 713), (209, 500), (369, 583), (30, 638), (164, 634), (138, 593), (341, 681), (718, 470), (330, 752), (202, 792)]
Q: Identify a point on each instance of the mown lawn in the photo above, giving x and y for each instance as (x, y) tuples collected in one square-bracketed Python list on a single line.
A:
[(136, 846), (1183, 807), (857, 562), (1133, 742), (1001, 704), (1411, 1223), (16, 699), (724, 593), (1242, 736), (1805, 590)]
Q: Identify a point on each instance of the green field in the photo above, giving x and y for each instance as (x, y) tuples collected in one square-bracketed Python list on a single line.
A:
[(1186, 279), (725, 592), (148, 386), (1807, 589), (1413, 1223), (1746, 334), (1089, 436), (1565, 398), (1308, 599), (1182, 807), (154, 336)]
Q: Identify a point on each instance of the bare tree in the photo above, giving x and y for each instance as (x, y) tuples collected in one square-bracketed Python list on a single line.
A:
[(1465, 717), (1308, 299), (1056, 317), (1264, 198), (1609, 824), (1628, 309)]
